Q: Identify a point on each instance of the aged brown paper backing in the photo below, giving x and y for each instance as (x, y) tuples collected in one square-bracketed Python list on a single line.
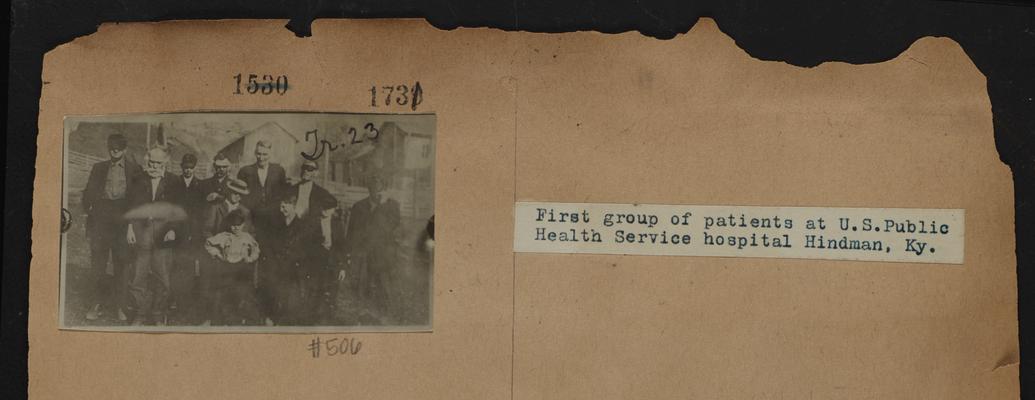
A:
[(584, 117)]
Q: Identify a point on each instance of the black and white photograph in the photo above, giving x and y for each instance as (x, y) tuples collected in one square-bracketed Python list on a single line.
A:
[(248, 222)]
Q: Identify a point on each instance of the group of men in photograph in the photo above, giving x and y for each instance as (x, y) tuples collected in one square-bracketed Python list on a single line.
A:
[(258, 248)]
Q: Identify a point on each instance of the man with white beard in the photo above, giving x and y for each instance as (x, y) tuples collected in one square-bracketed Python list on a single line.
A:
[(151, 234)]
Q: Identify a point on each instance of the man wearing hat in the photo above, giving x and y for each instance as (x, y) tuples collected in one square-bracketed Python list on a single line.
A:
[(309, 195), (104, 201), (310, 202), (214, 222), (372, 248), (214, 186), (187, 194), (152, 232)]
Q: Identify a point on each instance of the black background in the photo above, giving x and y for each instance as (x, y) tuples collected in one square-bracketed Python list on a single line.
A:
[(998, 36)]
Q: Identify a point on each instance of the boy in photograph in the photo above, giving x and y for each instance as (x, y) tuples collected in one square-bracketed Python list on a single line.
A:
[(233, 254), (215, 222)]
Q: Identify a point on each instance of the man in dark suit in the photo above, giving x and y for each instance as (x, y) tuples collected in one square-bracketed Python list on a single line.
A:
[(310, 199), (104, 201), (286, 246), (186, 192), (151, 231), (215, 186), (213, 222), (266, 181), (372, 247), (215, 215)]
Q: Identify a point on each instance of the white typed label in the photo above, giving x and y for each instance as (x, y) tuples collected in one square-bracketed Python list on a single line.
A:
[(861, 234)]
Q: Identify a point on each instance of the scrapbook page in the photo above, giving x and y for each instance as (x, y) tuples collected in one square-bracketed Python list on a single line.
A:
[(389, 210)]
